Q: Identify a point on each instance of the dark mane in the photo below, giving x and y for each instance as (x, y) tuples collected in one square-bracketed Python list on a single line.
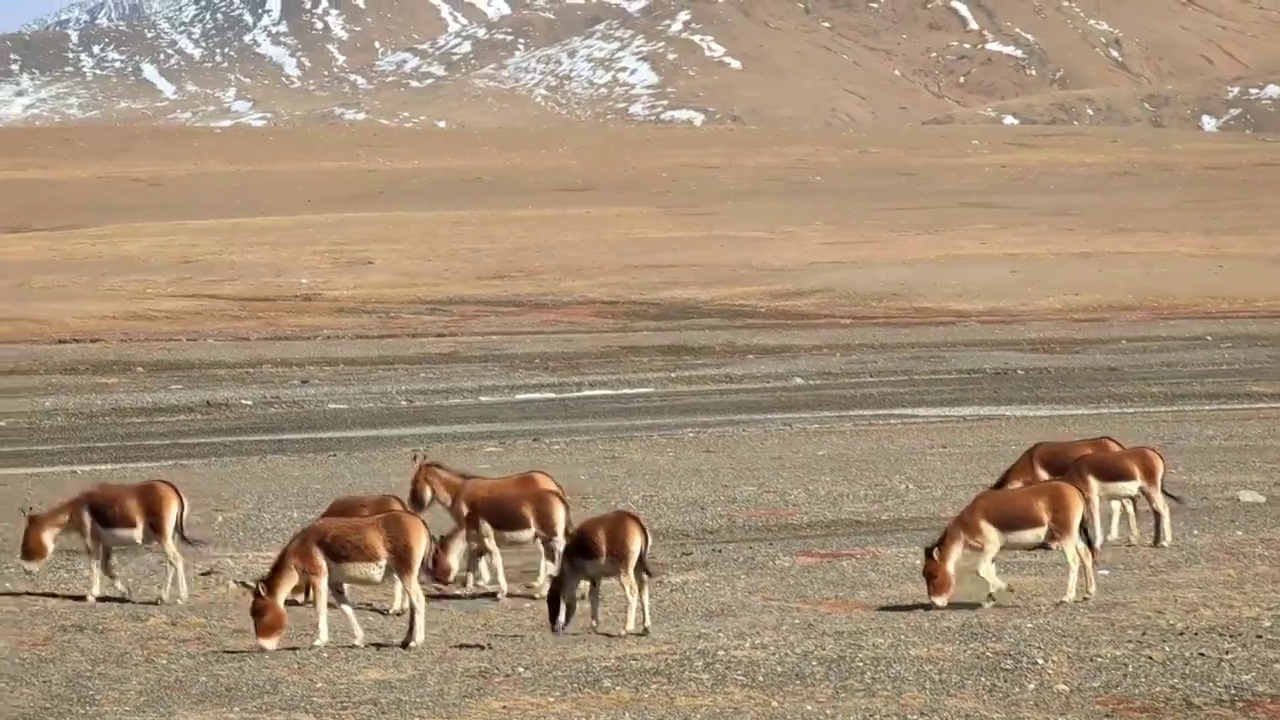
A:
[(464, 474)]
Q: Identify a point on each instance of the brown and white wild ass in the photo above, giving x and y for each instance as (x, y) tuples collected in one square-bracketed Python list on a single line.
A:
[(494, 520), (108, 516), (435, 482), (1048, 459), (1022, 518), (1120, 477), (333, 552), (361, 506), (615, 544)]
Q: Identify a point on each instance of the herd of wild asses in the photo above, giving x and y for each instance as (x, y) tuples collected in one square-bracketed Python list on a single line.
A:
[(1049, 498)]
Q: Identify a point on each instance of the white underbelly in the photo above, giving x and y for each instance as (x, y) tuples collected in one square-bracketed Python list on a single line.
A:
[(117, 537), (358, 573), (1024, 539), (1116, 490), (514, 537)]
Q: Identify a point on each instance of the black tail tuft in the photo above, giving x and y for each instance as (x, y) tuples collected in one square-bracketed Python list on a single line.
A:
[(1176, 498), (643, 561), (1087, 533)]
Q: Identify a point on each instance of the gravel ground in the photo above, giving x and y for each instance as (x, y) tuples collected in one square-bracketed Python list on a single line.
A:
[(788, 581)]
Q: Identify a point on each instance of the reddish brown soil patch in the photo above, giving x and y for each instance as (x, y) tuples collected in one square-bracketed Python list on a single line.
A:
[(813, 557), (1265, 707), (1127, 707)]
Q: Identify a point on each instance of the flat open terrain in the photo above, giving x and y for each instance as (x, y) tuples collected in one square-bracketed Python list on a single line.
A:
[(791, 367), (132, 232)]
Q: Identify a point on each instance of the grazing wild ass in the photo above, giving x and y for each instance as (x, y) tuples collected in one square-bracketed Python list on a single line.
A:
[(108, 516), (1123, 475), (615, 544), (495, 520), (1048, 459), (333, 552), (435, 482), (1019, 519), (361, 506)]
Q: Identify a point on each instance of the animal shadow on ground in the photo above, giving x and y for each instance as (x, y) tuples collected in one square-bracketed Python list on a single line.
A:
[(913, 607), (76, 598), (339, 645), (488, 594)]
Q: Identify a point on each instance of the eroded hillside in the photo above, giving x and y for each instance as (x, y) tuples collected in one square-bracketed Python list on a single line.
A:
[(1213, 64)]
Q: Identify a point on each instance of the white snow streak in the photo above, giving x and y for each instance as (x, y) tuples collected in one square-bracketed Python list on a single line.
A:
[(153, 76)]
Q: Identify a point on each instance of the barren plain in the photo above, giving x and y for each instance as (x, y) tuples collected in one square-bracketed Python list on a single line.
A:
[(795, 354)]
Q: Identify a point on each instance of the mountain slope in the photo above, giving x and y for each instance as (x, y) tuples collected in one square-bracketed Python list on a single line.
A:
[(512, 62)]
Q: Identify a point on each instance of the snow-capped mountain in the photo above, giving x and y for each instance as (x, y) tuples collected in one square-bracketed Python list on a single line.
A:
[(263, 61), (517, 62)]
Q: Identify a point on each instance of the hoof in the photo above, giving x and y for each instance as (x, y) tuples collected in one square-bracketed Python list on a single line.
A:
[(357, 643), (90, 599), (408, 644), (646, 632), (319, 643), (1162, 544), (1064, 601)]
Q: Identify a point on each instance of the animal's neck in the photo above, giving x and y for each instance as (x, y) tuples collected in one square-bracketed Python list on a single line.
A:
[(950, 544), (56, 518), (281, 580), (452, 544)]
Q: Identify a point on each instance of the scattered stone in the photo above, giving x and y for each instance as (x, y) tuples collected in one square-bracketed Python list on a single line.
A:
[(1249, 496), (1061, 688)]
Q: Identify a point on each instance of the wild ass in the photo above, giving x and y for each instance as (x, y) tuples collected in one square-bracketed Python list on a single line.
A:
[(494, 520), (107, 516), (335, 551), (615, 544), (1121, 476), (1022, 518), (1048, 459), (435, 482), (361, 506)]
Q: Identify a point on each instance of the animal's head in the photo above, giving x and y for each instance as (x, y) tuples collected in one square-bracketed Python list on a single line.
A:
[(269, 618), (446, 557), (37, 541), (939, 580), (425, 487), (562, 602)]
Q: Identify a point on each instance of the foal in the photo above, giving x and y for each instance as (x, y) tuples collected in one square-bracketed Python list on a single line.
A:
[(615, 544), (108, 516), (435, 482), (334, 551), (497, 520), (1020, 519)]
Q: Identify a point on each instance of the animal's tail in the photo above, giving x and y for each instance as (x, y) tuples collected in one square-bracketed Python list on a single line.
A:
[(1086, 532), (643, 561), (180, 527), (1176, 498)]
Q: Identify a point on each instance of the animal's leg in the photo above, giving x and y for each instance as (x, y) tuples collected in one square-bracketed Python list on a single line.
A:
[(495, 556), (1090, 578), (417, 632), (1073, 566), (543, 551), (593, 592), (642, 581), (486, 577), (475, 556), (1117, 509), (339, 591), (1131, 507), (108, 566), (1160, 508), (633, 597), (987, 571), (175, 567), (398, 596), (320, 594), (95, 571)]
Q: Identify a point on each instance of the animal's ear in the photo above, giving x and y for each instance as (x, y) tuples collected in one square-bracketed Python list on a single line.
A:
[(26, 512), (261, 588), (933, 552)]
